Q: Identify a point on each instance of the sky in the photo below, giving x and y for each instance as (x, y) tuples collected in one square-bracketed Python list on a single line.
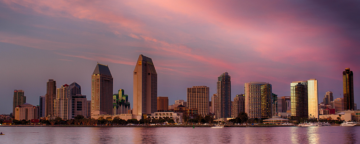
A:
[(190, 42)]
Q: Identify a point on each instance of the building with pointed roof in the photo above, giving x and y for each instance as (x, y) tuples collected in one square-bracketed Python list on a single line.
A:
[(101, 90)]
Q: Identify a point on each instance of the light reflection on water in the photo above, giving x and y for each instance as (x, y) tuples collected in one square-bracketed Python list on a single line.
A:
[(97, 135)]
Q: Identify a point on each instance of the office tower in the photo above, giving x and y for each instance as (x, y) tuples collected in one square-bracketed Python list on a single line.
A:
[(50, 97), (26, 112), (61, 103), (77, 102), (162, 103), (238, 105), (18, 99), (299, 99), (328, 98), (313, 96), (121, 104), (274, 105), (88, 108), (339, 104), (285, 103), (101, 90), (145, 87), (258, 100), (223, 109), (214, 103), (198, 97), (42, 106), (348, 87)]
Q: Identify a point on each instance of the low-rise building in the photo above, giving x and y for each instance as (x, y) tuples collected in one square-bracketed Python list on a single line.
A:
[(26, 112), (177, 117), (343, 115)]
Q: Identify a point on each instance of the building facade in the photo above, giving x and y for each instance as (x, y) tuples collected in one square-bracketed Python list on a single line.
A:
[(328, 98), (313, 96), (162, 104), (258, 100), (77, 102), (101, 91), (339, 104), (238, 105), (61, 103), (145, 87), (121, 104), (49, 98), (274, 105), (299, 99), (18, 99), (223, 106), (26, 112), (348, 88), (198, 97), (42, 106)]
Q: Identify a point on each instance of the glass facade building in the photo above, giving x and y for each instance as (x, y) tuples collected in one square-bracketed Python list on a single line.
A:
[(299, 99), (348, 87), (313, 95), (223, 107), (258, 100)]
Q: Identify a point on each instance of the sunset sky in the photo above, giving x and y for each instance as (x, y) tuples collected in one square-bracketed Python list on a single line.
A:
[(190, 42)]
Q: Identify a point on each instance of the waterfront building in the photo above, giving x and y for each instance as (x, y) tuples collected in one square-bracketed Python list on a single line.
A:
[(328, 98), (274, 105), (88, 109), (339, 104), (285, 104), (162, 103), (101, 91), (42, 106), (176, 116), (26, 112), (238, 105), (299, 99), (145, 87), (313, 96), (18, 99), (198, 97), (121, 104), (61, 103), (258, 100), (77, 102), (223, 106), (49, 98), (213, 103), (348, 87)]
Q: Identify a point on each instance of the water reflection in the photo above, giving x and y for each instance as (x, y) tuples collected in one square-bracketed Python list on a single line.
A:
[(313, 135), (144, 135), (349, 133)]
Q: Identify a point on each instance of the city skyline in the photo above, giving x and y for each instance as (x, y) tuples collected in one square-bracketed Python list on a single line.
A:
[(62, 41)]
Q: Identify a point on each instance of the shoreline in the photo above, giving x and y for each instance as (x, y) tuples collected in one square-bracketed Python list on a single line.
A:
[(159, 126)]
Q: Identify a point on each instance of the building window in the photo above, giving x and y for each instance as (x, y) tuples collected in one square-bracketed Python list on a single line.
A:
[(78, 105)]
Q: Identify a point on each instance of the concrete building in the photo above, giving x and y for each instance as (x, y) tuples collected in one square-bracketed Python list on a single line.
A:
[(198, 97), (328, 98), (18, 99), (121, 104), (238, 105), (348, 88), (213, 103), (26, 112), (299, 99), (274, 105), (101, 91), (177, 117), (61, 103), (258, 100), (88, 108), (339, 104), (42, 106), (162, 104), (285, 104), (145, 87), (49, 98), (313, 96), (223, 106), (177, 103)]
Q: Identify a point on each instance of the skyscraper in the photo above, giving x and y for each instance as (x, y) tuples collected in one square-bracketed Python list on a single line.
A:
[(299, 99), (145, 87), (50, 97), (223, 109), (42, 106), (198, 97), (61, 103), (162, 103), (328, 98), (101, 90), (313, 109), (339, 104), (285, 103), (258, 100), (238, 105), (214, 103), (18, 99), (77, 102), (348, 87), (274, 105)]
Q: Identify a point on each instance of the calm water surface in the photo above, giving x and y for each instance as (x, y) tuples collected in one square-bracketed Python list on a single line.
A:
[(113, 135)]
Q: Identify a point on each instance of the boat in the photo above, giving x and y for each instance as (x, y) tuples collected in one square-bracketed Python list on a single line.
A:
[(348, 124), (307, 125), (218, 126), (326, 124)]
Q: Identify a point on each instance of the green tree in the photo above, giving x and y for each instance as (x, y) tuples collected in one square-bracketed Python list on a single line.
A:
[(243, 117), (78, 117)]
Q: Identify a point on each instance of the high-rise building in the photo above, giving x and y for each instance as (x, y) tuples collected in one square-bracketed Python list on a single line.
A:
[(258, 100), (49, 98), (26, 112), (274, 105), (299, 99), (101, 91), (42, 106), (339, 104), (285, 103), (88, 104), (348, 87), (61, 103), (162, 104), (77, 102), (223, 109), (238, 105), (121, 104), (328, 98), (19, 99), (313, 96), (214, 104), (145, 87), (198, 97)]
